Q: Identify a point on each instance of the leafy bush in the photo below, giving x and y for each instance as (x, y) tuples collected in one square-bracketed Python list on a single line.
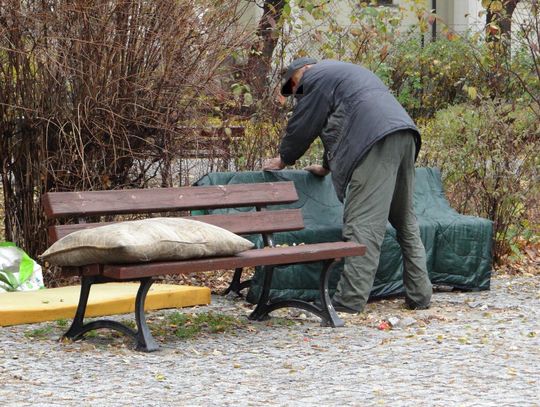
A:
[(364, 35), (488, 154), (434, 76), (258, 142)]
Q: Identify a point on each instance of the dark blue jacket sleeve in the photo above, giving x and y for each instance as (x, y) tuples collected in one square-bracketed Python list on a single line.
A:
[(308, 119)]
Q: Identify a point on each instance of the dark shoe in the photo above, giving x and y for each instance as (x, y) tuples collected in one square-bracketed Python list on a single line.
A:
[(410, 304), (343, 308), (339, 307)]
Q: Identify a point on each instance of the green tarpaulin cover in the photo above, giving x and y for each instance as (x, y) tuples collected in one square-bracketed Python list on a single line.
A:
[(458, 247)]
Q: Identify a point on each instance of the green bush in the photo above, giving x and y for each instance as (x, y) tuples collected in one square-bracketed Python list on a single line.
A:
[(434, 76), (488, 154), (258, 143), (430, 77)]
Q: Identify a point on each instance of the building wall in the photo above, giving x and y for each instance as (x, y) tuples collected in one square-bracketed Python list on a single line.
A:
[(459, 15), (469, 15), (463, 15), (252, 14)]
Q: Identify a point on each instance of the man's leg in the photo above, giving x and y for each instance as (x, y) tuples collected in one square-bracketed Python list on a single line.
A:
[(367, 206), (418, 287)]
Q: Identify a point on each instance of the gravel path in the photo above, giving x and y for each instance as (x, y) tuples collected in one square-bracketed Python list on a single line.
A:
[(469, 349)]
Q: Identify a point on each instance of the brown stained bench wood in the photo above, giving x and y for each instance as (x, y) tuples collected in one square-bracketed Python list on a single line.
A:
[(268, 256), (130, 201), (81, 205), (240, 223)]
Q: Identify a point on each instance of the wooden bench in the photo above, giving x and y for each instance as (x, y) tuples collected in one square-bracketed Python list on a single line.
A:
[(100, 206)]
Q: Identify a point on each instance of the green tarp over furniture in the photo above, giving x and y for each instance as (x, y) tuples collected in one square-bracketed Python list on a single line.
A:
[(458, 247)]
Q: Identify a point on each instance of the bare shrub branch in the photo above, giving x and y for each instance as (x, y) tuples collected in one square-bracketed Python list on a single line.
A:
[(94, 94)]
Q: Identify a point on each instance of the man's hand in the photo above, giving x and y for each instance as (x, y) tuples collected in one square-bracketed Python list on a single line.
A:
[(273, 164), (317, 170)]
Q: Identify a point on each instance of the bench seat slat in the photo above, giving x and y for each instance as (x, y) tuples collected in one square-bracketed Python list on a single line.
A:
[(249, 258), (241, 223), (152, 200)]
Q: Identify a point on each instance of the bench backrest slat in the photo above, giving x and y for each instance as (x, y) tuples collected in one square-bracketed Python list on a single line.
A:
[(154, 200), (240, 223)]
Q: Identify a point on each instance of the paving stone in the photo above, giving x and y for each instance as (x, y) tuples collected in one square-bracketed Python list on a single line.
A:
[(455, 353)]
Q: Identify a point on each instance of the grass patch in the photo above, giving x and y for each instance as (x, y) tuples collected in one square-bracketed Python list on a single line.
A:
[(187, 326), (176, 324), (93, 334), (278, 321), (39, 333), (129, 323), (62, 323)]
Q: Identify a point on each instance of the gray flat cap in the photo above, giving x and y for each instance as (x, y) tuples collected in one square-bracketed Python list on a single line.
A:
[(286, 88)]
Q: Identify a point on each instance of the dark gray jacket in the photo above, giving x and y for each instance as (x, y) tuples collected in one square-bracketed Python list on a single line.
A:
[(350, 109)]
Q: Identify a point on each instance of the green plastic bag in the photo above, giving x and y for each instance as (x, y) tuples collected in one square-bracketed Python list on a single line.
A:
[(18, 272)]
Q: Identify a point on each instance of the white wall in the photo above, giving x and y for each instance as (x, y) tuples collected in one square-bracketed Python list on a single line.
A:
[(251, 16), (465, 15), (459, 15)]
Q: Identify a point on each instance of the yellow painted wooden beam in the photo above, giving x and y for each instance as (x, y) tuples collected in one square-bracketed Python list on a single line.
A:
[(105, 299)]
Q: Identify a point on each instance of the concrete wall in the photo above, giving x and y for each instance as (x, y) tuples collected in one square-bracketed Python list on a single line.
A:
[(469, 15), (459, 15), (463, 15)]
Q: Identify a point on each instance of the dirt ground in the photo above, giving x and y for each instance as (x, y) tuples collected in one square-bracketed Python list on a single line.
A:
[(468, 349)]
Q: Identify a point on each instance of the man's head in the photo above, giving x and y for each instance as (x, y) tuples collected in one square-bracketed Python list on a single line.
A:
[(293, 74)]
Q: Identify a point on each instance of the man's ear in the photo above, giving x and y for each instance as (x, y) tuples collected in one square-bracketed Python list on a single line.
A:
[(295, 78)]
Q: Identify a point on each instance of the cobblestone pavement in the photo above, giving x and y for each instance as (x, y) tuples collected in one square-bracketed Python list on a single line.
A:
[(469, 349)]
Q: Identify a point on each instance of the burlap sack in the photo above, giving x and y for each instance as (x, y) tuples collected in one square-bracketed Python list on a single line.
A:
[(144, 240)]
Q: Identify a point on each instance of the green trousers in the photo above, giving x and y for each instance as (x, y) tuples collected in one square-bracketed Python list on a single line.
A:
[(380, 190)]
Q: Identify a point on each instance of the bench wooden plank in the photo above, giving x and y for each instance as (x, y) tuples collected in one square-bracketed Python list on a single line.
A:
[(152, 200), (241, 223), (249, 258)]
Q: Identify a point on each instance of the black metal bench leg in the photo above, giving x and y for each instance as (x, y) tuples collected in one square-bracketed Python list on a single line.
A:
[(145, 340), (236, 284), (330, 317), (326, 312), (261, 311), (76, 330), (143, 337)]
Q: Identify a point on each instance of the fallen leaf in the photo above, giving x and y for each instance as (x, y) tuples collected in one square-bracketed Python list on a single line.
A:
[(384, 326)]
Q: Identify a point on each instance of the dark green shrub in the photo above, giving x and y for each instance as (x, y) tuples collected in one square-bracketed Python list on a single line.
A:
[(432, 77), (488, 154)]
